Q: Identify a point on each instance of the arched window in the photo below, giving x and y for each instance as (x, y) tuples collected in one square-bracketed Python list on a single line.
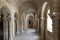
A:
[(49, 21)]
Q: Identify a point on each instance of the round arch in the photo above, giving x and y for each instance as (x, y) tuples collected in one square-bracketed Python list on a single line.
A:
[(45, 15), (6, 19), (30, 22), (26, 7), (27, 19)]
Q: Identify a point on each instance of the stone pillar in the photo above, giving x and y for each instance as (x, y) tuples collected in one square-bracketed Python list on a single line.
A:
[(36, 23), (5, 27), (18, 26), (12, 28), (42, 27)]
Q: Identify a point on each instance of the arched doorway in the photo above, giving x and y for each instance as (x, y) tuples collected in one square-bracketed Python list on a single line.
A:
[(25, 8), (5, 15), (30, 22), (46, 23)]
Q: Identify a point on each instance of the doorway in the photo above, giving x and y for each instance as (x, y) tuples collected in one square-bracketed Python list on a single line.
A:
[(30, 22), (1, 27)]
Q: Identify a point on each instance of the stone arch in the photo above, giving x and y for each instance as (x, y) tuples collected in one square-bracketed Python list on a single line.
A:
[(6, 21), (25, 16), (46, 27), (26, 7), (28, 17), (44, 20)]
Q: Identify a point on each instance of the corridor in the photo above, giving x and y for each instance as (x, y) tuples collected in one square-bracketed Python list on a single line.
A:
[(30, 34), (29, 19)]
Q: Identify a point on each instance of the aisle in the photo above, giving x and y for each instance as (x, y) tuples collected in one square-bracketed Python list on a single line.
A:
[(27, 35)]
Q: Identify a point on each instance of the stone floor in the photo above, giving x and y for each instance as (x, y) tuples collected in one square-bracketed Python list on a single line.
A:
[(27, 35)]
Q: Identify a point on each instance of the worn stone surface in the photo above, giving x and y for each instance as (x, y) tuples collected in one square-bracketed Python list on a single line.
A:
[(27, 36)]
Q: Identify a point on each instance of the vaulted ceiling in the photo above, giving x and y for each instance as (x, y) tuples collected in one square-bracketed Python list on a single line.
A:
[(24, 4), (17, 3)]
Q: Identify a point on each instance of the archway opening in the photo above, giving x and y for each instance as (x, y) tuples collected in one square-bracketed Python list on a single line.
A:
[(1, 27), (49, 21), (30, 22)]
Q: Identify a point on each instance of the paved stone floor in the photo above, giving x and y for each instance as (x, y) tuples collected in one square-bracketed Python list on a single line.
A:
[(27, 35)]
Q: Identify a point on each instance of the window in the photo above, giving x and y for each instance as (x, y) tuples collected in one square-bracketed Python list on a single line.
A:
[(49, 22)]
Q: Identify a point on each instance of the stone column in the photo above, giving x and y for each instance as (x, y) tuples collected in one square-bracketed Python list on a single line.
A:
[(42, 27), (12, 27), (5, 27), (11, 30)]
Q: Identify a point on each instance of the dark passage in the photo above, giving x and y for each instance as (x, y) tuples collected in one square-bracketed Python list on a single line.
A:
[(1, 27)]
